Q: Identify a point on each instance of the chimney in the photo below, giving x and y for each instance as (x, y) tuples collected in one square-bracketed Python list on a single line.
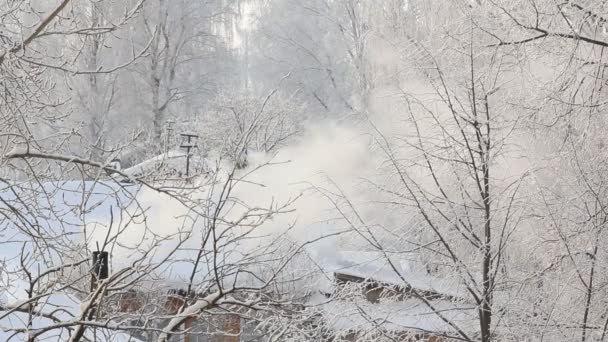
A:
[(130, 301), (100, 268), (231, 329), (176, 298), (173, 302)]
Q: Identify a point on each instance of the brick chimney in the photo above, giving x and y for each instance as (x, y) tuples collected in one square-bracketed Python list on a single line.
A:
[(231, 329), (175, 299), (130, 301)]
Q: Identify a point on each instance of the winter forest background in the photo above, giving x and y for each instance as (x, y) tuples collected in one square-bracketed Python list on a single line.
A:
[(358, 170)]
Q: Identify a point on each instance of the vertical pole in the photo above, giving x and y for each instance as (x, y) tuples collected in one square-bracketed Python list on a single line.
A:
[(188, 157)]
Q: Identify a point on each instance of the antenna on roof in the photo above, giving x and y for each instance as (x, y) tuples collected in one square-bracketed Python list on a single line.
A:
[(188, 143)]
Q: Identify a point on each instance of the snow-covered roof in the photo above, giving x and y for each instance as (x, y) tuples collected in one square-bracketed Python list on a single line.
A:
[(77, 215), (171, 162), (346, 310), (409, 315), (71, 207), (65, 308), (61, 212), (375, 266)]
